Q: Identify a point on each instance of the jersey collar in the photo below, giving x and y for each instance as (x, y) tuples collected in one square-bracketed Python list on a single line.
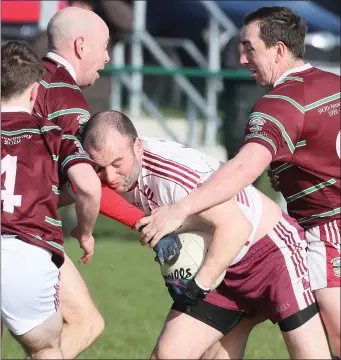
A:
[(63, 62), (291, 71), (8, 109)]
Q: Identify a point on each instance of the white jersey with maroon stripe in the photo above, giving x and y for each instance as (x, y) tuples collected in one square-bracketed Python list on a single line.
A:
[(170, 171)]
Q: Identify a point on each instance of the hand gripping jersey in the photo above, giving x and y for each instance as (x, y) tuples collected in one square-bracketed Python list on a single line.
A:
[(299, 123), (170, 171), (33, 151)]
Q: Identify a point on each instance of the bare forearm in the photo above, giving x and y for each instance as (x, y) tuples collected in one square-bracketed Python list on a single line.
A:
[(226, 244), (88, 196), (87, 209)]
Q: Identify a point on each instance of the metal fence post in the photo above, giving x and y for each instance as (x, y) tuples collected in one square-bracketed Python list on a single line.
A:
[(47, 10), (116, 86), (192, 130), (137, 58), (212, 83)]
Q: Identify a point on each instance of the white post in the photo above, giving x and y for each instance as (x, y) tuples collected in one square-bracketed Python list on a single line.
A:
[(212, 83), (137, 59), (47, 10), (116, 86)]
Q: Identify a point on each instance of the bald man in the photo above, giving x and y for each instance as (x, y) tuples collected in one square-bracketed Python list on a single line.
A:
[(78, 40)]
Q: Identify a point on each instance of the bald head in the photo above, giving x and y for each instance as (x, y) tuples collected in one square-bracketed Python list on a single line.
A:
[(71, 23), (81, 37), (100, 130)]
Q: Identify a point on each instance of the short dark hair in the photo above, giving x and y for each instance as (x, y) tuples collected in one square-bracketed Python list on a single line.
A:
[(278, 23), (95, 129), (20, 68)]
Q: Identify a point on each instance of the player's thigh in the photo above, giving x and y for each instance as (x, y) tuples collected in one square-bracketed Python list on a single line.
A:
[(184, 337), (329, 300), (308, 341), (233, 344), (205, 321), (44, 336), (75, 300), (29, 285)]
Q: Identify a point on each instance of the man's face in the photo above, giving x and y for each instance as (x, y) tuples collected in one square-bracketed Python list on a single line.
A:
[(256, 57), (96, 55), (120, 164)]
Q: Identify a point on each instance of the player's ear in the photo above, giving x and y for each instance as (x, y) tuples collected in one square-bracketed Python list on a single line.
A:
[(281, 50), (138, 148), (79, 47), (33, 94)]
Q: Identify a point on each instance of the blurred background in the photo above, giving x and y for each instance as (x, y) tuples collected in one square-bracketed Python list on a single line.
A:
[(175, 71)]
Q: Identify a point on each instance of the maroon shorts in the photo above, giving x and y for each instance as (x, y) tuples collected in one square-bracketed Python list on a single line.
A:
[(271, 279)]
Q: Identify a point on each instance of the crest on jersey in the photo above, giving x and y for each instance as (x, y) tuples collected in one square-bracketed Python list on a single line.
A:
[(256, 128), (80, 148), (336, 266), (257, 121)]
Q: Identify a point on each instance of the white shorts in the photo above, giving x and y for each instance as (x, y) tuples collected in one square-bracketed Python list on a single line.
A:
[(324, 255), (29, 285)]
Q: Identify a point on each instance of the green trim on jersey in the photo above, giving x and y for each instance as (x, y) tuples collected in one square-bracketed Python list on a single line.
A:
[(55, 157), (36, 113), (279, 124), (325, 214), (55, 190), (69, 137), (72, 157), (33, 131), (52, 243), (322, 101), (59, 85), (287, 165), (57, 246), (281, 168), (287, 78), (36, 236), (300, 144), (310, 190), (250, 136), (53, 221), (287, 98), (67, 112)]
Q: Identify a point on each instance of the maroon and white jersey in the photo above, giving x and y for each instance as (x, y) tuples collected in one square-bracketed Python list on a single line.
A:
[(170, 171), (299, 123), (33, 151), (60, 99)]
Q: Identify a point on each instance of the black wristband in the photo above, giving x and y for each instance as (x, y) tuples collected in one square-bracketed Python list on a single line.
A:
[(196, 291)]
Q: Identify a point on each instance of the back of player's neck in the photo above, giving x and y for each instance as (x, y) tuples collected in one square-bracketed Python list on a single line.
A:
[(16, 103)]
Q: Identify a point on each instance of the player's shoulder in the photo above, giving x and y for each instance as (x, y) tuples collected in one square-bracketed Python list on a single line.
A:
[(285, 99), (58, 80), (17, 121), (178, 158)]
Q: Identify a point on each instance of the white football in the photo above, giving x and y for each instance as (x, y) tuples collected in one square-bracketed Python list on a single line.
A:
[(195, 246)]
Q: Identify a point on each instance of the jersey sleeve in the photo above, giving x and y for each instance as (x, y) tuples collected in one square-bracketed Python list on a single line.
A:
[(277, 125), (67, 108), (114, 206), (71, 153)]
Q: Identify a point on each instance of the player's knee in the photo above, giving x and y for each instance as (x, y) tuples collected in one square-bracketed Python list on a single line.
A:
[(95, 324)]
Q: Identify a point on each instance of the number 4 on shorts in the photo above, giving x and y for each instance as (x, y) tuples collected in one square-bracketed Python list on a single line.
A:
[(9, 166)]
